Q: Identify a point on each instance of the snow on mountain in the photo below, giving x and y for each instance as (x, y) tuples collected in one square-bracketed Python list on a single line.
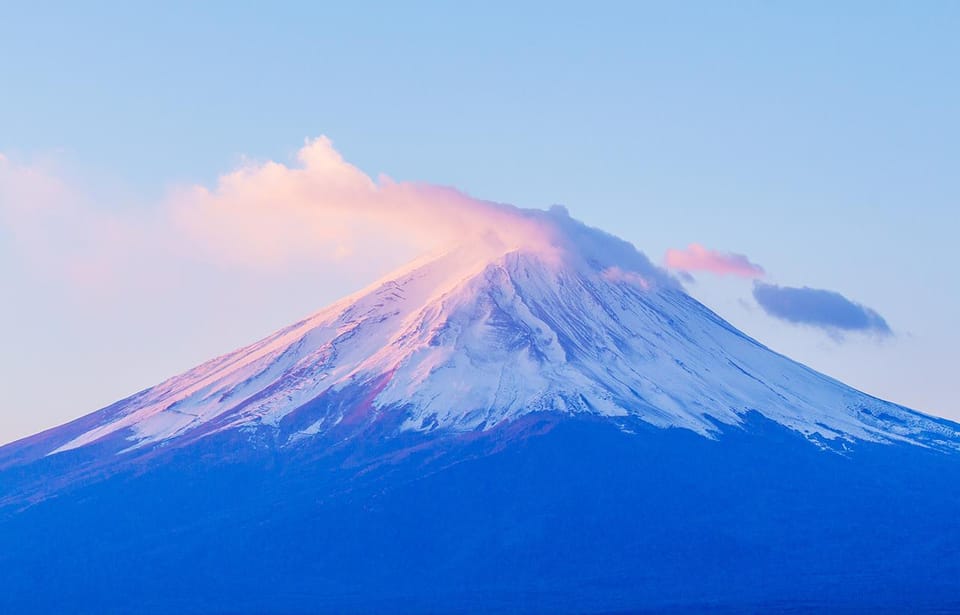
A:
[(575, 321)]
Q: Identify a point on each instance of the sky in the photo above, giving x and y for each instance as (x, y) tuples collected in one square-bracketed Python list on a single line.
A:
[(795, 163)]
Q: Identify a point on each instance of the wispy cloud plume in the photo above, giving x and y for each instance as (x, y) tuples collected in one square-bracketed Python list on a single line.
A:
[(323, 208), (825, 309), (263, 216), (698, 258)]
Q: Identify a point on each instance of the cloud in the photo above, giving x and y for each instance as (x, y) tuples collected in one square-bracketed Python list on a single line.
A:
[(324, 209), (269, 217), (698, 258), (263, 216), (825, 309)]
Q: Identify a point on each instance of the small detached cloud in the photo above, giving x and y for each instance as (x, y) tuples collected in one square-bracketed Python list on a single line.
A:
[(824, 309), (698, 258)]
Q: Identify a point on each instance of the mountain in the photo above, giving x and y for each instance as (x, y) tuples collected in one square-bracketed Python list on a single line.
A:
[(550, 425)]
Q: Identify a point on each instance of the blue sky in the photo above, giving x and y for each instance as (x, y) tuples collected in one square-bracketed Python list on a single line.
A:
[(820, 141)]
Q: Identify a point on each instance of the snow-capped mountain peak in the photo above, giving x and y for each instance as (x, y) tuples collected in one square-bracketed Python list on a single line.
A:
[(568, 319)]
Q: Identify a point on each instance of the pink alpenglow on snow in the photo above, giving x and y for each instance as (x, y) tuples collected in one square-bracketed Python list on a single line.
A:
[(698, 258)]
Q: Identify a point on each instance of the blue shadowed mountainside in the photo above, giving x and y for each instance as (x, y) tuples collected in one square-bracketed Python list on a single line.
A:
[(551, 515)]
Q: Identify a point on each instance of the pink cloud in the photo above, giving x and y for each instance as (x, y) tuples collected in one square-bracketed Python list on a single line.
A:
[(315, 215), (323, 209), (263, 217), (698, 258)]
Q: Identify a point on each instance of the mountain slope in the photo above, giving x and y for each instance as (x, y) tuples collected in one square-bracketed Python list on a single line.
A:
[(479, 336), (546, 426)]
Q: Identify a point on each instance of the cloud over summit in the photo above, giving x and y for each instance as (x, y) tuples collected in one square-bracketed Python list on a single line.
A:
[(326, 209), (266, 217), (262, 216)]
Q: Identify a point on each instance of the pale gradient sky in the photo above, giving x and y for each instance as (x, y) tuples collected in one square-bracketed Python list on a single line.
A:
[(821, 142)]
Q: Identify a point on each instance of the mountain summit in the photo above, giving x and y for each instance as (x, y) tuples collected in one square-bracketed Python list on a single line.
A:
[(487, 333), (499, 404)]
